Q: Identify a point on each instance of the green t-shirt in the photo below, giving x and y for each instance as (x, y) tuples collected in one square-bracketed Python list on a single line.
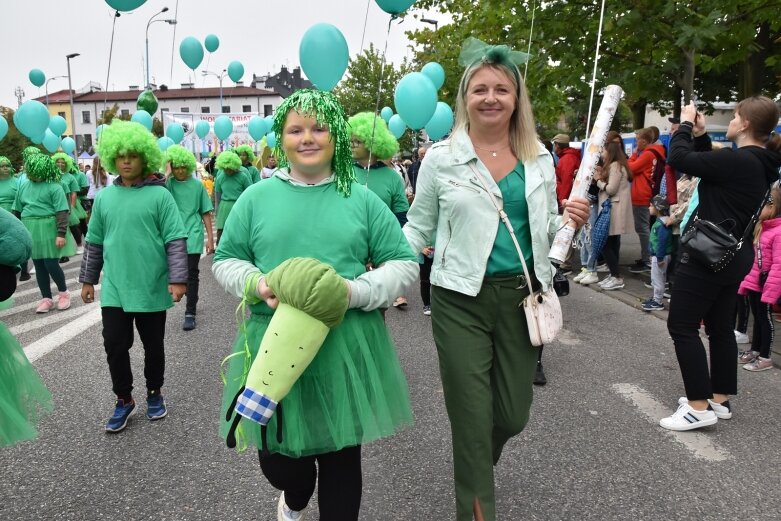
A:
[(83, 182), (386, 183), (133, 224), (230, 186), (40, 199), (344, 232), (193, 201), (504, 257), (254, 174), (69, 185), (8, 189)]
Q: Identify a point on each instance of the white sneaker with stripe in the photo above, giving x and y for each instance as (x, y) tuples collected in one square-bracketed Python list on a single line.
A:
[(686, 419)]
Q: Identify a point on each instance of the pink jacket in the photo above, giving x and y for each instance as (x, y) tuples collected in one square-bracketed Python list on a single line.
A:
[(770, 242)]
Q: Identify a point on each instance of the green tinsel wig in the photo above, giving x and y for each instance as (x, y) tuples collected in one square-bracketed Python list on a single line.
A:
[(121, 137), (40, 167), (5, 161), (326, 110), (179, 156), (65, 157), (246, 149), (228, 160), (29, 151), (382, 145)]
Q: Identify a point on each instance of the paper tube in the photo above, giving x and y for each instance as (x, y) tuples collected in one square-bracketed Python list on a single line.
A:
[(591, 154)]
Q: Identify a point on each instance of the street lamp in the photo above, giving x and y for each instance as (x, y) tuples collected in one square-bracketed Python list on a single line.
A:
[(435, 23), (169, 21), (220, 77), (70, 91), (46, 86)]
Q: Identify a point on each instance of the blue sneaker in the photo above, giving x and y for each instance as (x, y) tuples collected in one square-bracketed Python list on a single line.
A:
[(122, 413), (155, 407), (651, 305)]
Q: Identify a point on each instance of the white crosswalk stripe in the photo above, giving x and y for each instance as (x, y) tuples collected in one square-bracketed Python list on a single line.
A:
[(74, 269), (52, 317), (71, 283), (62, 335)]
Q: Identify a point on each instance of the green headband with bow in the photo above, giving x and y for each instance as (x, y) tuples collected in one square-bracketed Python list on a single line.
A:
[(475, 50)]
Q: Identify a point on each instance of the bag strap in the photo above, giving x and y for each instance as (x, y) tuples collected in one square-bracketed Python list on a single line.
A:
[(749, 226), (506, 220)]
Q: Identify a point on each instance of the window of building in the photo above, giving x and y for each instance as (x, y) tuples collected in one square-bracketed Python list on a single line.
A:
[(226, 109), (125, 113), (86, 116), (205, 110), (61, 114), (246, 108), (185, 109), (268, 110), (87, 141)]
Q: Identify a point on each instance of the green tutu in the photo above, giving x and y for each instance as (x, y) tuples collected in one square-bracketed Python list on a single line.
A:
[(44, 232), (353, 392), (23, 396), (77, 213), (223, 210), (7, 207)]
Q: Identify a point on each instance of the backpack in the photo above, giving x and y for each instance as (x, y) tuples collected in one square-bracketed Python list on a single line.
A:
[(657, 173)]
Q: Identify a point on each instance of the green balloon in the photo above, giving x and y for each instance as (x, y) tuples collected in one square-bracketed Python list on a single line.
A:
[(147, 101), (37, 77)]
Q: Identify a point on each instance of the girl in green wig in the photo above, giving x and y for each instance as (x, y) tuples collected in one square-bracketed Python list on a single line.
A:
[(247, 157), (8, 184), (229, 185), (353, 390), (70, 185)]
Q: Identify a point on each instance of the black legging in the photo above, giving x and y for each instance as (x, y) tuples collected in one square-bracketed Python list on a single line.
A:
[(741, 314), (425, 282), (339, 484), (610, 252), (47, 270), (764, 331), (76, 231)]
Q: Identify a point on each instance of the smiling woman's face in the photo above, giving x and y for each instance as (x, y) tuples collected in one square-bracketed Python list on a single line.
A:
[(307, 145), (490, 98)]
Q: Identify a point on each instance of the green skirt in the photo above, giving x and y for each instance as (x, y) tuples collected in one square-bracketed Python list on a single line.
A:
[(23, 396), (77, 213), (223, 210), (44, 233), (353, 392)]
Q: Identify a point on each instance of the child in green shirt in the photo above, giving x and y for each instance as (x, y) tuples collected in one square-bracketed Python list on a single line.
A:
[(195, 209), (137, 238), (8, 184), (70, 186), (247, 157), (228, 186)]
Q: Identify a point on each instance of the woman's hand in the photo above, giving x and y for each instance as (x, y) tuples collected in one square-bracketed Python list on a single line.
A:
[(265, 293), (689, 113), (59, 242), (576, 210)]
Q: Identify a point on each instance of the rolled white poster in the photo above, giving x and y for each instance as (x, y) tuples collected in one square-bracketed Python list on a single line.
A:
[(562, 242)]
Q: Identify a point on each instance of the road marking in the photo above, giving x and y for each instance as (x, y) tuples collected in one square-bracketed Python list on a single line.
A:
[(52, 317), (30, 305), (30, 291), (698, 443), (60, 336)]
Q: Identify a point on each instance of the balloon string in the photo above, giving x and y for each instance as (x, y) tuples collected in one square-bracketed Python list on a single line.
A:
[(594, 75), (110, 51), (173, 40), (365, 22), (529, 48), (379, 94)]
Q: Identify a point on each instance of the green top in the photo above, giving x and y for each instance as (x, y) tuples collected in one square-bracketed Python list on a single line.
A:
[(504, 257), (230, 186), (133, 224), (40, 200), (254, 174), (69, 185), (83, 182), (8, 189), (386, 183), (193, 201)]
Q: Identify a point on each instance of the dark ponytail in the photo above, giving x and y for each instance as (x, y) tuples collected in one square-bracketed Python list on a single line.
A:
[(774, 142)]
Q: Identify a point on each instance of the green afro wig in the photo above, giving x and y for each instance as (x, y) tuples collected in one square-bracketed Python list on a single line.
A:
[(65, 157), (228, 160), (30, 151), (374, 133), (246, 149), (325, 108), (178, 156), (5, 161), (40, 167), (122, 137)]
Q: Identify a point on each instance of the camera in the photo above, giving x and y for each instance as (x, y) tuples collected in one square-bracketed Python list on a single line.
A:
[(560, 283)]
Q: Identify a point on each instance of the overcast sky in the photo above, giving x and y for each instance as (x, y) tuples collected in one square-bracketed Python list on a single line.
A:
[(261, 34)]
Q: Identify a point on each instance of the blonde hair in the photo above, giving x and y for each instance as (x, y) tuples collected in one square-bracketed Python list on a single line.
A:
[(523, 133), (775, 200)]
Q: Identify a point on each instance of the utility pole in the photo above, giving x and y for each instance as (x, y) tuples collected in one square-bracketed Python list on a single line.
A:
[(19, 96)]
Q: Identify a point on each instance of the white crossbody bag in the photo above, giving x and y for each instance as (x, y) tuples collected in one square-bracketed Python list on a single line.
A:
[(542, 308)]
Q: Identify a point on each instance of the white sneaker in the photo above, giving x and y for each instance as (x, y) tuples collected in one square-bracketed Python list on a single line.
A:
[(616, 283), (606, 280), (687, 419), (79, 250), (285, 514), (741, 338), (602, 268), (723, 411), (579, 276), (590, 278)]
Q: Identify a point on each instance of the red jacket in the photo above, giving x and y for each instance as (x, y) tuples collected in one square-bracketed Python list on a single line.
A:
[(642, 167), (566, 169), (770, 242)]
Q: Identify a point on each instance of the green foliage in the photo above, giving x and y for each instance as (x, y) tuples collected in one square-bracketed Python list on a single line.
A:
[(14, 142), (109, 114)]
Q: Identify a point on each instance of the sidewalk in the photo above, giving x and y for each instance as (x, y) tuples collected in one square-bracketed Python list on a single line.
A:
[(634, 292)]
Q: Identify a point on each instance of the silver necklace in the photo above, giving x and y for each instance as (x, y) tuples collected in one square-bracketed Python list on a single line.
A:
[(493, 152)]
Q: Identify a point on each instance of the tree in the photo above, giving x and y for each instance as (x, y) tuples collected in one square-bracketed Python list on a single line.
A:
[(14, 142), (108, 115)]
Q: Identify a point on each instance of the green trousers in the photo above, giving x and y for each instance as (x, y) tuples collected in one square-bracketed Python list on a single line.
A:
[(487, 365)]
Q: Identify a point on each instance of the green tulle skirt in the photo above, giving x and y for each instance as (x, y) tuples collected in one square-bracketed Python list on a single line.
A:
[(23, 396), (44, 233), (223, 210), (353, 392), (77, 213)]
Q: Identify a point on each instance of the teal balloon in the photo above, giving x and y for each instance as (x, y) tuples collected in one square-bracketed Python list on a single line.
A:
[(257, 128), (397, 126), (235, 70), (32, 119), (38, 139), (175, 131), (51, 141), (395, 6), (269, 122), (435, 72), (125, 5), (58, 125), (165, 142), (37, 77), (143, 117), (212, 43), (202, 128), (386, 113), (68, 145), (441, 122), (324, 55), (416, 99), (191, 52), (271, 139), (3, 127), (223, 127), (98, 131)]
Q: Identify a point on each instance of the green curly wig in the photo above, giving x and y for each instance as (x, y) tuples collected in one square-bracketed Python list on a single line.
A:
[(5, 161), (228, 160), (121, 137), (326, 109), (178, 156), (65, 157), (40, 167), (29, 151), (246, 149), (382, 145)]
